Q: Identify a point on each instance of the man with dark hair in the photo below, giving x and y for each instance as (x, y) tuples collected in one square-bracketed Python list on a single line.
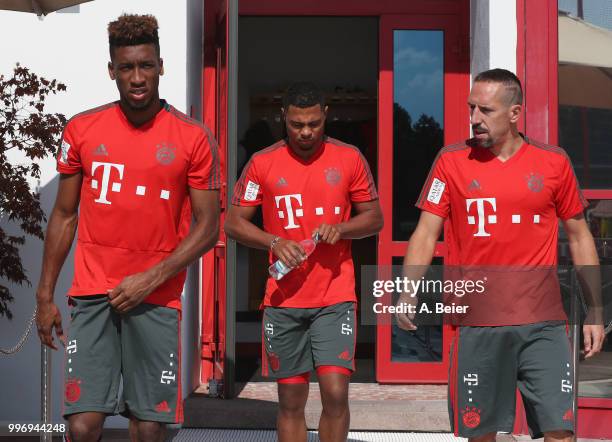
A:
[(502, 195), (307, 186), (139, 169)]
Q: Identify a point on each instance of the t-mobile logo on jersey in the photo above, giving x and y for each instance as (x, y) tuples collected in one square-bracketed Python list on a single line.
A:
[(480, 209), (106, 172), (291, 215)]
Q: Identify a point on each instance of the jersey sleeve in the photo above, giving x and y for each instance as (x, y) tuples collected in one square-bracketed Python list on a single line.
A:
[(248, 190), (69, 154), (434, 197), (362, 187), (204, 169), (569, 200)]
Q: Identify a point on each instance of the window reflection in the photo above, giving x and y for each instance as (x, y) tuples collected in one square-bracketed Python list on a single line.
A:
[(595, 374), (585, 89), (418, 124), (425, 343)]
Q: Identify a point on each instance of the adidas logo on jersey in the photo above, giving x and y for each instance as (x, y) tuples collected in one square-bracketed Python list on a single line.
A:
[(281, 182), (101, 150)]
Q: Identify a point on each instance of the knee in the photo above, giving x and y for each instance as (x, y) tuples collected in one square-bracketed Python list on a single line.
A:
[(559, 435), (335, 402), (489, 437), (81, 430), (291, 409), (150, 431)]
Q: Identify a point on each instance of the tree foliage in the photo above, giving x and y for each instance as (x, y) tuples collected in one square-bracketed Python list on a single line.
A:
[(26, 128)]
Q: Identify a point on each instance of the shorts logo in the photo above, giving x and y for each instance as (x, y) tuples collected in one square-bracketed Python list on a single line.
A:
[(250, 193), (566, 386), (162, 407), (471, 379), (332, 176), (274, 361), (167, 377), (165, 154), (345, 355), (435, 191), (72, 390), (71, 348), (347, 329), (535, 182), (269, 328), (569, 415), (471, 417)]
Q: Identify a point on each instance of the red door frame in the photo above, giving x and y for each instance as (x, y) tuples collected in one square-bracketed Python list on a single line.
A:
[(537, 61), (214, 114), (456, 127)]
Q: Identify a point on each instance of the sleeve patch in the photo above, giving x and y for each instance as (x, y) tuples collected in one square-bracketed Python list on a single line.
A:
[(250, 193), (64, 152), (436, 190)]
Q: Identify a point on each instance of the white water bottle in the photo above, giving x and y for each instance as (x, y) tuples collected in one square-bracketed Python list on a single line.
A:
[(279, 269)]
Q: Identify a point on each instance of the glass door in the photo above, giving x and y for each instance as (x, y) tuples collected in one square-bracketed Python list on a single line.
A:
[(423, 87)]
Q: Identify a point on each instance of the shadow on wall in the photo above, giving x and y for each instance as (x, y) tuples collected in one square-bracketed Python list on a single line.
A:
[(20, 380), (20, 374)]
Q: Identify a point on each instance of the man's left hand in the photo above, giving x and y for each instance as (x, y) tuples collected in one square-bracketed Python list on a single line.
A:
[(328, 233), (593, 339), (131, 291)]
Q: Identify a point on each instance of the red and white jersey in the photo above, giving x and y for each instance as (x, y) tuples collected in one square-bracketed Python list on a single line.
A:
[(504, 213), (134, 206), (297, 196)]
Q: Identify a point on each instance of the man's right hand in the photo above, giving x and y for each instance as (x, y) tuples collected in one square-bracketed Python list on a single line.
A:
[(48, 317), (291, 253), (404, 320)]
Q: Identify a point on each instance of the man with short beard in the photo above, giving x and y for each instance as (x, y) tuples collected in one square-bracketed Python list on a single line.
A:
[(307, 186), (139, 169), (502, 195)]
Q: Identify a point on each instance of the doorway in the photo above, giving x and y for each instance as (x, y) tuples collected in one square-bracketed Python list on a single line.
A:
[(340, 54)]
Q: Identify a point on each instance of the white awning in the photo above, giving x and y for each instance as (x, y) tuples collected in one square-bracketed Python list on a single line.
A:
[(584, 43)]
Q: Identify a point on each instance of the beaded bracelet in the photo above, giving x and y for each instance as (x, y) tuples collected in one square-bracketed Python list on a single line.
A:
[(274, 241)]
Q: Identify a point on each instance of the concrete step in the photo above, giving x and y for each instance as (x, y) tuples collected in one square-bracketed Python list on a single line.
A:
[(373, 407)]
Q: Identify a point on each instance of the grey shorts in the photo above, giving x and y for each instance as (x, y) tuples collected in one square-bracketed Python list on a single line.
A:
[(489, 363), (296, 340), (141, 347)]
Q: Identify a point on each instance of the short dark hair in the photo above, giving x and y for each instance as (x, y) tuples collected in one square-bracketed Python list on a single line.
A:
[(132, 30), (303, 94), (508, 79)]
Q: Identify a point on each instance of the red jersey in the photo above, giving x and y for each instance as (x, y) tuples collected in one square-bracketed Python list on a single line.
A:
[(297, 196), (506, 214), (134, 206)]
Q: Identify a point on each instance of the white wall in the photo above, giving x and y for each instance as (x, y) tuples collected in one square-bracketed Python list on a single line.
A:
[(73, 48), (493, 35)]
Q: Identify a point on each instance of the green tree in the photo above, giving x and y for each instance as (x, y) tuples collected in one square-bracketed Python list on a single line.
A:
[(26, 128)]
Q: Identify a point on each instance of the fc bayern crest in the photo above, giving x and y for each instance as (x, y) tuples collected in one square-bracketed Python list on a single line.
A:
[(535, 182), (165, 154), (332, 176), (471, 417), (72, 390)]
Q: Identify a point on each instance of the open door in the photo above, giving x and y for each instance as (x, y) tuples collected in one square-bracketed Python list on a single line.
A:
[(219, 109), (423, 87)]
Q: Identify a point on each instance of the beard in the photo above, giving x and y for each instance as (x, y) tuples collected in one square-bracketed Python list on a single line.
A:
[(486, 143)]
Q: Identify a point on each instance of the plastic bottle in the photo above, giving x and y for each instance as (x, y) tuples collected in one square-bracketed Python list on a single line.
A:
[(278, 269)]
